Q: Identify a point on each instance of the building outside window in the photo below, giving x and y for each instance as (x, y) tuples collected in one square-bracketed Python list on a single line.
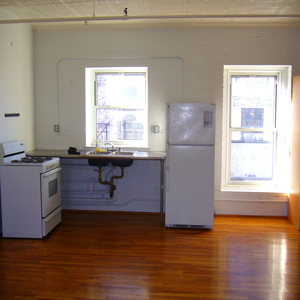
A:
[(117, 106), (256, 116)]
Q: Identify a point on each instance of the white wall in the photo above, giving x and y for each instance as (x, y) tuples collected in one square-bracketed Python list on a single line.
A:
[(200, 55), (163, 73), (16, 82)]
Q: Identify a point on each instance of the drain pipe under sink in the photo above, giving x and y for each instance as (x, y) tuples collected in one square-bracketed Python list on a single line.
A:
[(110, 182)]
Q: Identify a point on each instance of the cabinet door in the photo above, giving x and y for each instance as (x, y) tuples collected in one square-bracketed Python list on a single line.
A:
[(293, 210)]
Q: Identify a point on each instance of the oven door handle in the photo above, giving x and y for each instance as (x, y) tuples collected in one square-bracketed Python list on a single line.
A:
[(51, 172)]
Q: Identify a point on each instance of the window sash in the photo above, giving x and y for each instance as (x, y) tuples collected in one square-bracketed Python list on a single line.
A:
[(256, 104), (116, 126), (258, 149), (119, 93)]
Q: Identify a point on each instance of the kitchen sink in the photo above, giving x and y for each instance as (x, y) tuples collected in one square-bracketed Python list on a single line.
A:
[(112, 153), (102, 162), (116, 153), (121, 162), (98, 162), (99, 153)]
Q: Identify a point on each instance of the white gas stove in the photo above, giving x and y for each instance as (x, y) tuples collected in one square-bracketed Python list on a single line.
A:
[(30, 192)]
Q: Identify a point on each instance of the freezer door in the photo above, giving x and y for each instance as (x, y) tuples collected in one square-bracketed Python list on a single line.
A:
[(190, 186), (191, 124)]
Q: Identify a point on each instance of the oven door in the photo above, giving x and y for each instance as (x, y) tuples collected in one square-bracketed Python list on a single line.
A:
[(51, 191)]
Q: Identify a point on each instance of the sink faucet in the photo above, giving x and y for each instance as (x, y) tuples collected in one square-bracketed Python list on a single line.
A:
[(110, 144)]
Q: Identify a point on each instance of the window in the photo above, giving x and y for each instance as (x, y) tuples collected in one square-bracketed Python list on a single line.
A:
[(256, 116), (116, 106)]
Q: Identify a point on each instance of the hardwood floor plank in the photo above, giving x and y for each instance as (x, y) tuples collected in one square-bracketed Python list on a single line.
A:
[(130, 256)]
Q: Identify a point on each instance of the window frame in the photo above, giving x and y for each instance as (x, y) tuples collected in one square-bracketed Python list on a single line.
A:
[(91, 107), (280, 183)]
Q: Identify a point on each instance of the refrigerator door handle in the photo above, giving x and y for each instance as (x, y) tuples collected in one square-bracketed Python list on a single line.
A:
[(167, 168)]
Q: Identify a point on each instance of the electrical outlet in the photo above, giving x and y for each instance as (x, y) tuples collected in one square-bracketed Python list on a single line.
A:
[(56, 128), (156, 129)]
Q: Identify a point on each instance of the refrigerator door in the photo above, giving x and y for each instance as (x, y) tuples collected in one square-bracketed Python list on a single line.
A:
[(191, 124), (190, 187)]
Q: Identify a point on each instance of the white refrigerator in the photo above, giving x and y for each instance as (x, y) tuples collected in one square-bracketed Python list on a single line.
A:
[(189, 191)]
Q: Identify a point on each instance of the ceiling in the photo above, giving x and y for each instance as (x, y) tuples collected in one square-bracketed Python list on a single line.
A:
[(92, 13)]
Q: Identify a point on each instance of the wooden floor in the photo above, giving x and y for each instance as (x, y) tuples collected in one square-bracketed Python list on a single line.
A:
[(131, 256)]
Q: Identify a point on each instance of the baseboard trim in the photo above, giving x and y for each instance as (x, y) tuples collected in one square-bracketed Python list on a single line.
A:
[(251, 208)]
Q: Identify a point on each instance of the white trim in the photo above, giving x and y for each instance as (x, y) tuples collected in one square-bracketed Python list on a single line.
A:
[(281, 182), (251, 208), (90, 112)]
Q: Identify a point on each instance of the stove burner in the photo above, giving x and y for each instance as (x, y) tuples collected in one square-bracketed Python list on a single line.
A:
[(26, 160), (34, 159), (40, 159)]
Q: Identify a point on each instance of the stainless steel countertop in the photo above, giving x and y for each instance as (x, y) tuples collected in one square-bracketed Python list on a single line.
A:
[(139, 155)]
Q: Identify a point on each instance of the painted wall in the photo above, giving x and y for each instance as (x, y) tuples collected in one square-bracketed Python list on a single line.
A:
[(16, 82), (190, 69)]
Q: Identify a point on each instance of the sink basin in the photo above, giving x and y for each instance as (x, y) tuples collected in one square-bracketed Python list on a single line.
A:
[(103, 162), (98, 162), (123, 153), (121, 162), (99, 153)]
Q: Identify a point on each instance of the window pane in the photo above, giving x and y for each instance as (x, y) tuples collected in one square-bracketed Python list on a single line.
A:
[(252, 155), (120, 124), (120, 89), (253, 102)]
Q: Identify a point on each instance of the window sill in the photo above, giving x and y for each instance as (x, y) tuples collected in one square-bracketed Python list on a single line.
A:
[(243, 193), (255, 189)]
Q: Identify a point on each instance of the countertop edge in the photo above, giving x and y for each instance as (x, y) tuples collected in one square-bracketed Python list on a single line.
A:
[(140, 155)]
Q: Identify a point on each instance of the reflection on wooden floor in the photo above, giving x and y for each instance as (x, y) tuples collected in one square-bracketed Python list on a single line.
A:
[(131, 256)]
